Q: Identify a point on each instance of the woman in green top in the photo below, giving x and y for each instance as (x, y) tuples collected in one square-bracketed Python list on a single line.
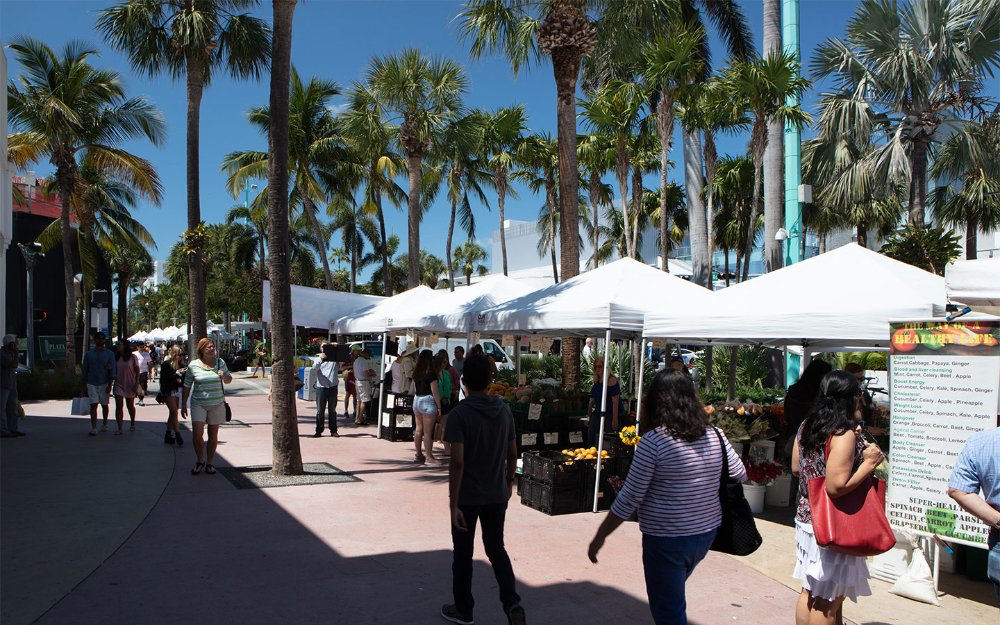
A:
[(203, 382), (444, 390)]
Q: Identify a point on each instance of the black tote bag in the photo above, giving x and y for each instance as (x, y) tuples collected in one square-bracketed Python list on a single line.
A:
[(738, 533)]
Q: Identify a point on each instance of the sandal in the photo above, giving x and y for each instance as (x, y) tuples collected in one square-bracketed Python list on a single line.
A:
[(197, 468), (210, 469), (420, 459)]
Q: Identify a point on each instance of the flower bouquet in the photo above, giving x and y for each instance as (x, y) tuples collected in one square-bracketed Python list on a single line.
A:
[(764, 473), (629, 436)]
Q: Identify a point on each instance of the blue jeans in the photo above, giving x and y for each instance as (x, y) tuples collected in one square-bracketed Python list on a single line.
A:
[(326, 398), (993, 568), (667, 563), (8, 410)]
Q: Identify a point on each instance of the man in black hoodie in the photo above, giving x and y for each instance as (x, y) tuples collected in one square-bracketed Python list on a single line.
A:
[(481, 478)]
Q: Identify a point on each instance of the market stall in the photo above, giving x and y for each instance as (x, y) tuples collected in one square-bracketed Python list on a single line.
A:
[(316, 308), (974, 283)]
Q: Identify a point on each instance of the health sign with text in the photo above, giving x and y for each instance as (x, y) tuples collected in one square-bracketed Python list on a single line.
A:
[(944, 386)]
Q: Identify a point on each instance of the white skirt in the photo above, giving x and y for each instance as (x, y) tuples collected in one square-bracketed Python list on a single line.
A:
[(825, 573)]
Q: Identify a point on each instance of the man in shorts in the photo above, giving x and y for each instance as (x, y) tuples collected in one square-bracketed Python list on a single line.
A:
[(364, 371), (145, 364), (98, 375)]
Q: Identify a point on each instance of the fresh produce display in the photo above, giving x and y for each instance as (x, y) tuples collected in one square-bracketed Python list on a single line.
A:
[(581, 453), (500, 389)]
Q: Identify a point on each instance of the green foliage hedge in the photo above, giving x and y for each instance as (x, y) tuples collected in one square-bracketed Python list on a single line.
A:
[(51, 384)]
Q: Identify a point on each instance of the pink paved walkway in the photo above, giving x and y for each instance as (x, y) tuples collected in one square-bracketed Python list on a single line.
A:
[(371, 552)]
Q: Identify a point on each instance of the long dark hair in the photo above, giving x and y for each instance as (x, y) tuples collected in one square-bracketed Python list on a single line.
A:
[(124, 351), (425, 362), (673, 402), (833, 412)]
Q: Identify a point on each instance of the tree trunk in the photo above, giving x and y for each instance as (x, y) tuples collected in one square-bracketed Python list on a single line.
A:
[(386, 278), (694, 190), (862, 234), (709, 364), (550, 202), (354, 268), (65, 175), (758, 143), (918, 183), (636, 208), (122, 306), (665, 126), (725, 258), (501, 180), (621, 176), (413, 163), (196, 273), (321, 242), (971, 237), (566, 69), (711, 162), (774, 170), (286, 455), (447, 245), (594, 188), (734, 353)]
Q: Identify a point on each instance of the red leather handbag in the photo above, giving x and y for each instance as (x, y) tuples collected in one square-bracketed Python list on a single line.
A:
[(854, 524)]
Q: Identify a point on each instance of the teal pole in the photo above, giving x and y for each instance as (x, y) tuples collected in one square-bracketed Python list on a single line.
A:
[(793, 167)]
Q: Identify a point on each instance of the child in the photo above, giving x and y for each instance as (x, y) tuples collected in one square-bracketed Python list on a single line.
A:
[(350, 390)]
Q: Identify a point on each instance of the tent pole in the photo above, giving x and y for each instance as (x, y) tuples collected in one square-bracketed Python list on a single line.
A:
[(638, 393), (603, 407), (381, 386)]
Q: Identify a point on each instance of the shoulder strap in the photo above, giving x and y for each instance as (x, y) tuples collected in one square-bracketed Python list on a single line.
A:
[(725, 460)]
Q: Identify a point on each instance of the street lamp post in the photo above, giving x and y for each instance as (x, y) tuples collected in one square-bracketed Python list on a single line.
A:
[(31, 252)]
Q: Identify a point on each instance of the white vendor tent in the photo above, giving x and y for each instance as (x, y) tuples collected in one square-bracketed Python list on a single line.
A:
[(156, 334), (975, 283), (375, 318), (452, 312), (845, 297), (138, 336), (316, 308), (614, 297)]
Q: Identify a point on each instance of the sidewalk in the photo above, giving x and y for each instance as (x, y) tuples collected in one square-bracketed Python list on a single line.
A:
[(117, 530)]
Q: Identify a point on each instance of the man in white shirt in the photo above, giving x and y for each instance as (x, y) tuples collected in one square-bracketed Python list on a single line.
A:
[(364, 371), (142, 355), (588, 347), (407, 363), (326, 373)]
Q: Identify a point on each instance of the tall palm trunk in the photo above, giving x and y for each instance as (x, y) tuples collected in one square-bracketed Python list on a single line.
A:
[(695, 183), (501, 179), (65, 176), (734, 353), (862, 234), (286, 455), (725, 257), (665, 126), (711, 156), (354, 267), (123, 279), (918, 183), (774, 170), (321, 244), (566, 69), (594, 189), (447, 245), (413, 161), (758, 143), (636, 208), (550, 202), (971, 237), (621, 175), (196, 273), (386, 278)]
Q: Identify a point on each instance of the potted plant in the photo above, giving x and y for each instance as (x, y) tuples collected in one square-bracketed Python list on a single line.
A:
[(759, 476)]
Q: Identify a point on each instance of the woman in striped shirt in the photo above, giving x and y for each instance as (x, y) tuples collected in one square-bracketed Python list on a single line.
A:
[(203, 382), (673, 487)]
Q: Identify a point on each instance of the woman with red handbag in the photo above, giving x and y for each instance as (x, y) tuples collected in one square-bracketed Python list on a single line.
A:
[(827, 447)]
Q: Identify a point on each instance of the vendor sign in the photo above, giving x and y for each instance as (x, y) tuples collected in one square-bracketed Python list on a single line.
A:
[(944, 381)]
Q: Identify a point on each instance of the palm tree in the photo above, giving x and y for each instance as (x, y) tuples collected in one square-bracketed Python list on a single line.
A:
[(369, 138), (286, 455), (130, 263), (538, 161), (913, 67), (503, 134), (421, 94), (459, 151), (190, 40), (774, 153), (251, 245), (63, 109), (596, 156), (356, 227), (468, 257), (733, 188), (315, 153), (970, 158), (614, 110), (762, 87)]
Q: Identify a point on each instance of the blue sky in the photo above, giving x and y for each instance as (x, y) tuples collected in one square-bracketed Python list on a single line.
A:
[(336, 39)]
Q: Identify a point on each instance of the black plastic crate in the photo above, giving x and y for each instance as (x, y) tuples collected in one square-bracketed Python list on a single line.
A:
[(554, 500), (554, 468)]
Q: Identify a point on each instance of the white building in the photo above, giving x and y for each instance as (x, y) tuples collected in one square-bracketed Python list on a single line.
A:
[(158, 278)]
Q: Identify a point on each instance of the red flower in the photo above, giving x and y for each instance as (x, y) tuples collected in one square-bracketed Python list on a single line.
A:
[(764, 473)]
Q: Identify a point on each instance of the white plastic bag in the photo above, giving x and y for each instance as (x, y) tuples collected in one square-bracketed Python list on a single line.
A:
[(81, 406), (889, 566), (917, 582)]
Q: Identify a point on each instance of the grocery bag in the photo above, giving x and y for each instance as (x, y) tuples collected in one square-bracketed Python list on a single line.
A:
[(81, 406)]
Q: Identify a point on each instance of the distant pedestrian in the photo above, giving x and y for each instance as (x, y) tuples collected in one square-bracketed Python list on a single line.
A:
[(350, 389), (364, 372), (459, 361), (673, 488), (799, 402), (978, 469), (612, 408), (98, 373), (8, 388), (326, 372), (426, 407), (828, 577), (145, 366), (588, 347), (203, 384), (480, 482), (126, 385), (260, 351), (171, 383)]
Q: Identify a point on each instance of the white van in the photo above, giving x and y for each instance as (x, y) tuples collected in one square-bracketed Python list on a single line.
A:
[(490, 347)]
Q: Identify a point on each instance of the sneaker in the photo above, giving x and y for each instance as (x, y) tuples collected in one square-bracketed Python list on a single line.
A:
[(515, 616), (334, 434), (139, 403), (450, 613), (317, 435)]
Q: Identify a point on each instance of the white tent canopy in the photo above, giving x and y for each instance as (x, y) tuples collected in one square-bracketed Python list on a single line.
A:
[(156, 334), (975, 283), (316, 308), (138, 336), (450, 314), (845, 297), (374, 319), (615, 296)]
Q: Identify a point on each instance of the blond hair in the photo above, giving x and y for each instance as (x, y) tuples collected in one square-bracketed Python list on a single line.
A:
[(202, 344)]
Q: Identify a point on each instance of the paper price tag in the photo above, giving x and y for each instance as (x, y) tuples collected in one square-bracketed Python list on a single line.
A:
[(534, 412), (522, 379), (529, 439), (576, 437), (550, 438)]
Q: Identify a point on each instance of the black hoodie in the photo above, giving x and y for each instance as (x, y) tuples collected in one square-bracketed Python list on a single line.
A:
[(485, 426)]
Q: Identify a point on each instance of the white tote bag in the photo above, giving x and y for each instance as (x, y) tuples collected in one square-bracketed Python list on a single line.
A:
[(81, 406)]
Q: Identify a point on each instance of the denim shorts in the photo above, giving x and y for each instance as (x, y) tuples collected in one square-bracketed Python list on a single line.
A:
[(425, 404)]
